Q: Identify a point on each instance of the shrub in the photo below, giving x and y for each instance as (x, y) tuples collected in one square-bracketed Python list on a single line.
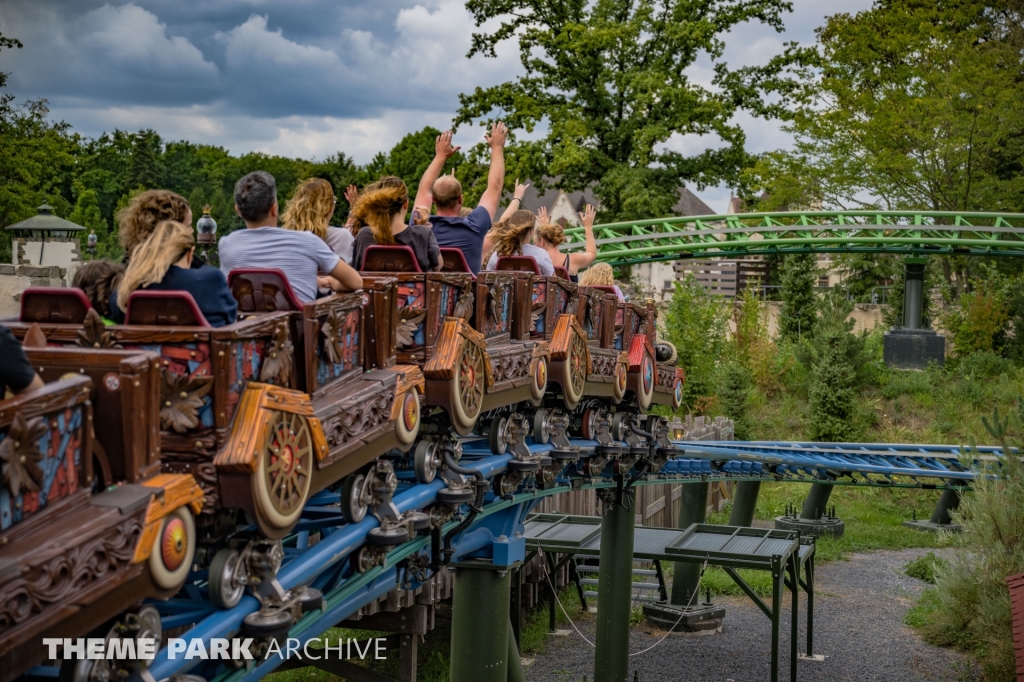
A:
[(734, 398), (697, 324), (977, 321), (799, 275), (923, 567), (971, 608), (754, 348), (832, 396)]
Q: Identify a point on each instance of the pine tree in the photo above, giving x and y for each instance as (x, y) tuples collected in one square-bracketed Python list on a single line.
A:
[(799, 276), (734, 398), (833, 397)]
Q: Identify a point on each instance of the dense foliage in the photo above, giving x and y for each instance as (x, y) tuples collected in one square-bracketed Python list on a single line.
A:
[(798, 278)]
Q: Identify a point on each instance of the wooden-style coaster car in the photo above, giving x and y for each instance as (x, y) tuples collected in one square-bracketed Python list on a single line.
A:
[(89, 527)]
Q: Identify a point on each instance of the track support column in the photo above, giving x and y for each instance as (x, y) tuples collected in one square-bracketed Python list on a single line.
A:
[(480, 623), (703, 618), (744, 502), (815, 517), (941, 517), (614, 586)]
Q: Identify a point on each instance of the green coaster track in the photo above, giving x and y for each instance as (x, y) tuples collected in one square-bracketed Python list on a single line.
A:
[(910, 233)]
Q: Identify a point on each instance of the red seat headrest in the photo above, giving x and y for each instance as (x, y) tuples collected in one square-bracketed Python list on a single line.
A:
[(560, 271), (262, 290), (164, 309), (391, 258), (65, 305), (454, 260), (519, 263)]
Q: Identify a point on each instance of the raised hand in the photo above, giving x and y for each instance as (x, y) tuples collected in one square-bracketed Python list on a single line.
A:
[(587, 216), (351, 194), (520, 190), (498, 136), (542, 215), (443, 145)]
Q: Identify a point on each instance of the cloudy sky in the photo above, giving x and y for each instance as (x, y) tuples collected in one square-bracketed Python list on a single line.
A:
[(300, 78)]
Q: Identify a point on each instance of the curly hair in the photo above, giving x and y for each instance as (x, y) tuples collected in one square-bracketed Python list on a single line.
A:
[(310, 208), (378, 204), (139, 218), (551, 233), (508, 236), (154, 257), (598, 275), (98, 279)]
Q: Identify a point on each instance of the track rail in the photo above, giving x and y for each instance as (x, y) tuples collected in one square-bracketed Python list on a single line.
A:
[(746, 234)]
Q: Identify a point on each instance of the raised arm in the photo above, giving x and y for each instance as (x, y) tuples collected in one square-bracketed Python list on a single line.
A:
[(517, 200), (496, 175), (443, 150), (578, 261)]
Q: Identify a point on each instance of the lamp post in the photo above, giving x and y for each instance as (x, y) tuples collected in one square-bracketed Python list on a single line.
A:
[(206, 237)]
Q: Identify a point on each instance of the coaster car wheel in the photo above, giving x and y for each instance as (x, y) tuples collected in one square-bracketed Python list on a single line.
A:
[(540, 427), (467, 388), (269, 624), (170, 559), (353, 507), (387, 537), (407, 427), (523, 467), (425, 461), (588, 423), (310, 599), (498, 436), (455, 497), (283, 475), (226, 589)]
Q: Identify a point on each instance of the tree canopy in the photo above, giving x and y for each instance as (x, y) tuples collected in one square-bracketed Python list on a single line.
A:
[(609, 81)]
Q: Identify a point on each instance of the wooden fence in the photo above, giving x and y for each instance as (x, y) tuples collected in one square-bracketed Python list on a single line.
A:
[(656, 505)]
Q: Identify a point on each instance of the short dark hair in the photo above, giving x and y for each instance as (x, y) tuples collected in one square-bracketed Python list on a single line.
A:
[(255, 194)]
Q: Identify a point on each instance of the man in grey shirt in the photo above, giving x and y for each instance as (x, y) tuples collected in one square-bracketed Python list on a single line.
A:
[(301, 256)]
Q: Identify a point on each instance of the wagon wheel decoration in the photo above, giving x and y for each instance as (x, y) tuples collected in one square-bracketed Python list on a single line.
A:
[(94, 334), (20, 455), (277, 366), (284, 470), (333, 331), (181, 398), (467, 387), (574, 376)]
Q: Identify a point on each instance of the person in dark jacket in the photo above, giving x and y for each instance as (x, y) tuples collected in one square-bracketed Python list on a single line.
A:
[(164, 263), (16, 374)]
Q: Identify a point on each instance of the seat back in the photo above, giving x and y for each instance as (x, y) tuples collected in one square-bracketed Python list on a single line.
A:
[(454, 260), (560, 271), (608, 290), (394, 258), (262, 290), (63, 305), (518, 263), (164, 309)]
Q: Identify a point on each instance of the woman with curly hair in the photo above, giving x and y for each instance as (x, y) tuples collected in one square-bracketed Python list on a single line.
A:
[(139, 218), (381, 209), (511, 237), (601, 275), (164, 262), (550, 235), (310, 210)]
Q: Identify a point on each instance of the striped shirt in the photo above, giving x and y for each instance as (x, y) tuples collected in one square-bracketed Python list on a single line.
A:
[(301, 256)]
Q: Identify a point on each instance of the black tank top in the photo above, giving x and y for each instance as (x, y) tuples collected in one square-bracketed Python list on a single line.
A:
[(572, 277)]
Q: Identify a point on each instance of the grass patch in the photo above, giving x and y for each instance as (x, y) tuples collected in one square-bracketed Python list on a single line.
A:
[(923, 568)]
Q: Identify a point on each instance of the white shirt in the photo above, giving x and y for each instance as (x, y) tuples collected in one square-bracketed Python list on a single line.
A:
[(539, 255)]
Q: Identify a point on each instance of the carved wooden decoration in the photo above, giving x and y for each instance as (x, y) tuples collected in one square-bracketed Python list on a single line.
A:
[(409, 320), (467, 302), (180, 401), (277, 365), (20, 454), (94, 334)]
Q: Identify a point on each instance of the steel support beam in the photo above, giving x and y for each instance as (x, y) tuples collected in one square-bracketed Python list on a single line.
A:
[(515, 663), (614, 587), (816, 504), (913, 292), (744, 503), (693, 508), (480, 623)]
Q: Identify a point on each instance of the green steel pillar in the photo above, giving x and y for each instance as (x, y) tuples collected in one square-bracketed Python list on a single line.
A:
[(693, 508), (949, 502), (480, 623), (744, 502), (913, 291), (614, 588), (816, 503), (515, 664)]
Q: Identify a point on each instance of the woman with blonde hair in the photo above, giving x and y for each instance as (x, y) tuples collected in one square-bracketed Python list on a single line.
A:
[(511, 237), (137, 220), (601, 275), (381, 210), (164, 263), (310, 210), (551, 235)]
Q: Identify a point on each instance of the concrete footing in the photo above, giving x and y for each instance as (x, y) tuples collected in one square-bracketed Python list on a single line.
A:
[(826, 525), (702, 619)]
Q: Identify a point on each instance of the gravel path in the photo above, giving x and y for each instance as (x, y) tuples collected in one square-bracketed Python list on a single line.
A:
[(858, 625)]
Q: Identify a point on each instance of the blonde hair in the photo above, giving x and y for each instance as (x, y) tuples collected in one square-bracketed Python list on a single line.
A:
[(139, 218), (598, 275), (378, 204), (552, 233), (310, 208), (153, 258), (508, 235)]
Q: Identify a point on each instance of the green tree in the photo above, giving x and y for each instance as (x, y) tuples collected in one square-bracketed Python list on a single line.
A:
[(697, 324), (610, 79), (734, 397), (798, 278), (833, 398), (863, 272)]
